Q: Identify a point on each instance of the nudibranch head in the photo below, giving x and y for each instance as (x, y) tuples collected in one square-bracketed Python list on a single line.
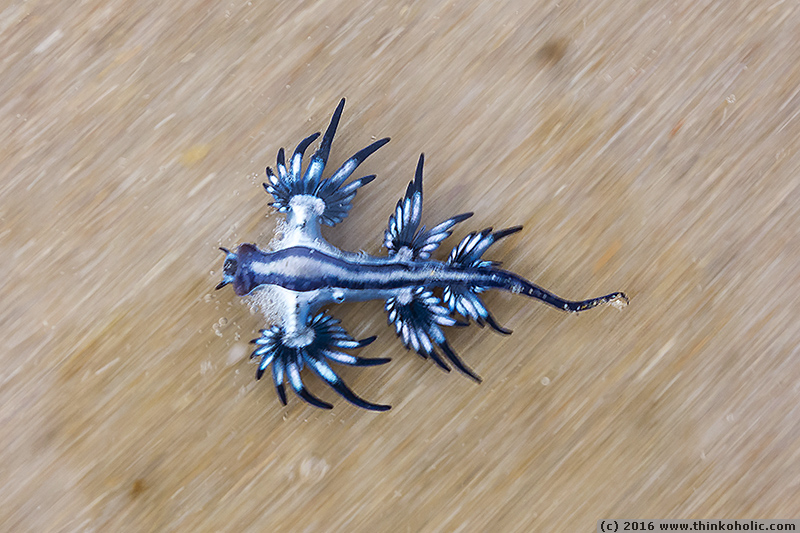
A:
[(229, 268)]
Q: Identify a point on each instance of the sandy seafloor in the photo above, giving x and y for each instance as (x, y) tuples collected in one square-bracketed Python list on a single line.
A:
[(650, 147)]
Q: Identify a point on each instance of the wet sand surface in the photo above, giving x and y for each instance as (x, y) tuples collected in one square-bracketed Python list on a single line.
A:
[(650, 147)]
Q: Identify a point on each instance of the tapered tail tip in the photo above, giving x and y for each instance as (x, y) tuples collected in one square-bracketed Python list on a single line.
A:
[(619, 300)]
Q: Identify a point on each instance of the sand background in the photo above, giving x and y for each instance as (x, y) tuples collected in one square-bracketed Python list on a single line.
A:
[(650, 147)]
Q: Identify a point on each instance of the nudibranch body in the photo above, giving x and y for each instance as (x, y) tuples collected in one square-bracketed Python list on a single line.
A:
[(305, 273)]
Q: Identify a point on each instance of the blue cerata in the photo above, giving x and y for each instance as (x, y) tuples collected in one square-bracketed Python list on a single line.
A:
[(305, 273)]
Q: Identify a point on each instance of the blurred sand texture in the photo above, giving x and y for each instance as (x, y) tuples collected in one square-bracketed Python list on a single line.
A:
[(650, 147)]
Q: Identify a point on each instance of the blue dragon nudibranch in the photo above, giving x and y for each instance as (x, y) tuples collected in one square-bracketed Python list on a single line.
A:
[(305, 273)]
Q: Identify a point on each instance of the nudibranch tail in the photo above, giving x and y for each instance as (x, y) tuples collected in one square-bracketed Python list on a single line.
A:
[(616, 299), (464, 300)]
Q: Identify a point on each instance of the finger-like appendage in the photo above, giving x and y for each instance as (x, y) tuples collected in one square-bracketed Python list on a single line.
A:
[(335, 195), (495, 326), (404, 230), (366, 341), (468, 252), (339, 202), (350, 344), (352, 360), (438, 360), (299, 387), (458, 362), (297, 157), (466, 302), (428, 241), (277, 379), (287, 358), (417, 319), (283, 174), (329, 376), (403, 224), (346, 170), (320, 157), (266, 360)]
